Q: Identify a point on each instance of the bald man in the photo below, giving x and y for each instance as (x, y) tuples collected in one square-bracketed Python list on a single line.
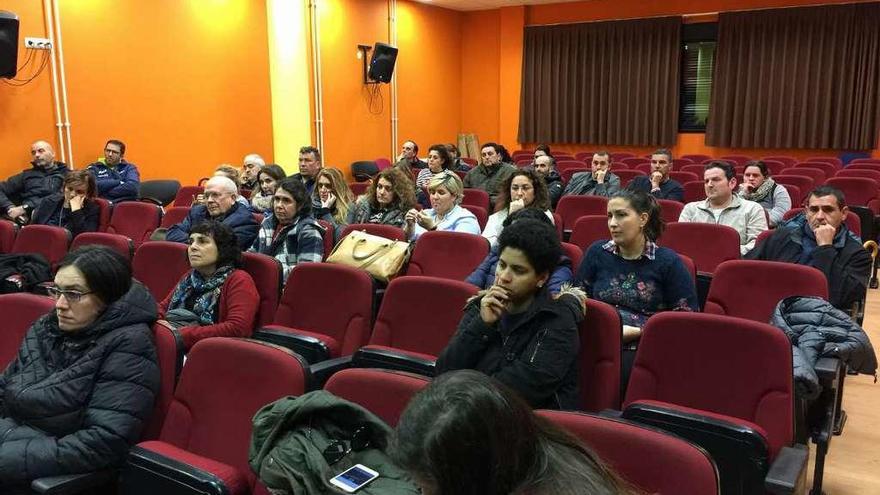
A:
[(21, 194), (220, 205)]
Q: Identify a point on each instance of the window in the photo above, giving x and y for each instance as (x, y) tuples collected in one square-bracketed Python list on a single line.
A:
[(697, 65)]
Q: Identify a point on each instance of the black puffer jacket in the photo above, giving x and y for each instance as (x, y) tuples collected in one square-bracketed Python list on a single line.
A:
[(817, 329), (31, 186), (73, 403)]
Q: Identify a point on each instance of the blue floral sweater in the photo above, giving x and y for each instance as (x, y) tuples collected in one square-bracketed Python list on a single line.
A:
[(657, 281)]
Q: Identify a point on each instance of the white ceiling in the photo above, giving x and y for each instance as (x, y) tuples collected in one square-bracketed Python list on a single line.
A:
[(485, 4)]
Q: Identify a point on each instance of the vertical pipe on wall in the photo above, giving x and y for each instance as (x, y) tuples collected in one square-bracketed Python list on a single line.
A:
[(392, 38), (59, 128), (316, 76), (60, 48)]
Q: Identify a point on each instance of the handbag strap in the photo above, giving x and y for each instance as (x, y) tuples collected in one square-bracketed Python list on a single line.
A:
[(371, 254)]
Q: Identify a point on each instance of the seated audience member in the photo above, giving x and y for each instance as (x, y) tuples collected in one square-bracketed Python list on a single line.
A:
[(630, 271), (232, 174), (386, 201), (309, 166), (598, 182), (819, 238), (542, 150), (220, 205), (267, 178), (291, 234), (83, 383), (215, 298), (484, 276), (21, 194), (658, 183), (722, 206), (408, 159), (250, 170), (118, 180), (332, 198), (524, 188), (545, 166), (757, 186), (438, 161), (457, 163), (74, 208), (515, 331), (467, 434), (445, 214), (491, 173)]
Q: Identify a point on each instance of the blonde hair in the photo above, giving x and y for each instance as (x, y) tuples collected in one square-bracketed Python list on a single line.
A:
[(340, 189), (449, 180)]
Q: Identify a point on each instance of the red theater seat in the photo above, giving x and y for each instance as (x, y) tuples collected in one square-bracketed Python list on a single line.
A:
[(186, 195), (707, 244), (51, 242), (119, 243), (159, 265), (384, 393), (599, 370), (476, 197), (173, 216), (135, 220), (570, 208), (8, 230), (452, 255), (589, 229), (20, 311), (267, 274)]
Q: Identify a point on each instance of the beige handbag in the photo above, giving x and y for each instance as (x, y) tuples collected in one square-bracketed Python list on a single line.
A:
[(380, 257)]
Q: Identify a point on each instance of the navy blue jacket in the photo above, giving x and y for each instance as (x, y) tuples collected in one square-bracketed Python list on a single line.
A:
[(116, 184), (238, 218), (671, 189)]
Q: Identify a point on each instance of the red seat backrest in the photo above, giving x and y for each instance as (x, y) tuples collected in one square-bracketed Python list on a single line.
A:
[(811, 170), (795, 193), (384, 393), (574, 253), (383, 163), (116, 242), (621, 155), (788, 161), (420, 314), (632, 161), (169, 354), (328, 236), (135, 220), (738, 159), (174, 215), (837, 162), (684, 177), (452, 255), (224, 383), (186, 194), (20, 311), (675, 465), (859, 191), (589, 229), (864, 173), (708, 244), (480, 213), (768, 282), (670, 210), (267, 274), (105, 210), (696, 158), (599, 370), (347, 320), (563, 165), (159, 265), (51, 242), (694, 191), (802, 182), (725, 350), (626, 176), (570, 208), (775, 166), (476, 197), (358, 188), (8, 230), (696, 169)]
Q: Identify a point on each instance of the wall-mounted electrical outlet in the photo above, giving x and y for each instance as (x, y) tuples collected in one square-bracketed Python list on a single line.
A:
[(38, 43)]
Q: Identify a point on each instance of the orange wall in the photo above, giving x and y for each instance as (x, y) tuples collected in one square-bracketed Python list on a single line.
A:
[(486, 54), (185, 83), (427, 72)]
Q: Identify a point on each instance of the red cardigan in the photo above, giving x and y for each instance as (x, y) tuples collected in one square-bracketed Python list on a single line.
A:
[(239, 301)]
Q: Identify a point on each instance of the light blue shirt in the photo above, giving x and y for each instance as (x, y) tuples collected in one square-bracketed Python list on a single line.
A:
[(457, 220)]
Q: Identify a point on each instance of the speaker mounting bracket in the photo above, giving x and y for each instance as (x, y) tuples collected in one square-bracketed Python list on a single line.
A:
[(364, 52)]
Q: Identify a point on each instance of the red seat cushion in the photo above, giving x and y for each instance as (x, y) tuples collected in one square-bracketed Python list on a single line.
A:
[(332, 344)]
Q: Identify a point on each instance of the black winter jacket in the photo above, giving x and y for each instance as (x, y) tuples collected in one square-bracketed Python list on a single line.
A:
[(537, 358), (86, 219), (846, 264), (73, 403), (31, 186), (817, 329)]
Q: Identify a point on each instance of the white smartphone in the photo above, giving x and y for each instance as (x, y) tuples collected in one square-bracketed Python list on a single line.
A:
[(354, 478)]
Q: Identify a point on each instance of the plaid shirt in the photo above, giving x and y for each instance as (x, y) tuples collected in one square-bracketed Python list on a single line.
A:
[(650, 251), (300, 242)]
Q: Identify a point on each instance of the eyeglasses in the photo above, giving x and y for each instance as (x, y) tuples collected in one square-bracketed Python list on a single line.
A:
[(72, 296), (337, 449)]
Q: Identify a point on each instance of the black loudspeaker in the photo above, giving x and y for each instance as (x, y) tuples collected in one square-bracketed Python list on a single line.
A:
[(382, 62), (8, 44)]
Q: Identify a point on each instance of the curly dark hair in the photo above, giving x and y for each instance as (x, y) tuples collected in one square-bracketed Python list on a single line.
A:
[(542, 196), (403, 187), (228, 250), (295, 187), (538, 241)]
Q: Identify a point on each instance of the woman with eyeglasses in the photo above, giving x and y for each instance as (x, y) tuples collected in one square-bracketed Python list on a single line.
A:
[(332, 198), (215, 298), (523, 188), (446, 192), (83, 383), (74, 207)]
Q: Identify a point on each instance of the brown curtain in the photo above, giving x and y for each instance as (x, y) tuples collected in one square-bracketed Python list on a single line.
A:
[(601, 83), (797, 78)]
